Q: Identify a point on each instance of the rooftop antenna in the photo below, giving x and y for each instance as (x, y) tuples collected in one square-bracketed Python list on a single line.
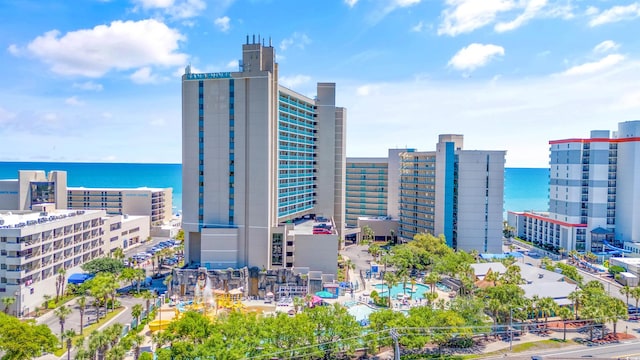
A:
[(247, 39), (254, 38), (270, 42)]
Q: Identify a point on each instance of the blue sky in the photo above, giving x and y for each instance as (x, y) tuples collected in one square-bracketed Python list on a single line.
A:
[(99, 80)]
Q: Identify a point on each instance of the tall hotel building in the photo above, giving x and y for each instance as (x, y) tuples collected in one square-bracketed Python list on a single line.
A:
[(455, 192), (594, 194), (257, 157)]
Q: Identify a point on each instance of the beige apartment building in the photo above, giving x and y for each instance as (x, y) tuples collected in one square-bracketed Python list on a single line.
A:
[(152, 202), (257, 158)]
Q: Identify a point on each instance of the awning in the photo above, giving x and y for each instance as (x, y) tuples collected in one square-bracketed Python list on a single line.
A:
[(79, 278)]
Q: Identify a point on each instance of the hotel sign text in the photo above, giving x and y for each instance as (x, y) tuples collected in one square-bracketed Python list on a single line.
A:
[(216, 75)]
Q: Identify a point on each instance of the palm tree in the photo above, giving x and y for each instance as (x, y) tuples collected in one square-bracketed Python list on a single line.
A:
[(432, 279), (392, 280), (62, 313), (167, 282), (118, 254), (576, 298), (615, 311), (349, 265), (565, 314), (69, 335), (635, 292), (136, 311), (136, 342), (60, 280), (547, 307), (7, 301), (46, 298), (492, 276), (82, 306), (626, 290), (139, 276), (147, 295)]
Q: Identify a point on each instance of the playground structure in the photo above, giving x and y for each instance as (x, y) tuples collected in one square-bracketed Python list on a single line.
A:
[(209, 302)]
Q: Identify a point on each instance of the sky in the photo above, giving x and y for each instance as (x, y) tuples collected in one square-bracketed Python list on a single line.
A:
[(99, 80)]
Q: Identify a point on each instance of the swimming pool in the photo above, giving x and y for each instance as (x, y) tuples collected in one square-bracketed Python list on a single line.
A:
[(416, 291), (360, 312), (443, 287)]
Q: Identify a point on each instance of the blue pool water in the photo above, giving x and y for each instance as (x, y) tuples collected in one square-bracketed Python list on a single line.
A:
[(360, 312), (415, 291), (443, 287)]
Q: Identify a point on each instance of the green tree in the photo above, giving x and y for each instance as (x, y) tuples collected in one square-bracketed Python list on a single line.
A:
[(635, 293), (68, 336), (148, 296), (82, 306), (62, 313), (432, 279), (24, 340), (616, 310), (367, 233), (136, 343), (576, 298), (348, 265), (512, 276), (391, 280), (139, 276), (103, 265), (626, 291), (7, 301), (60, 281), (118, 254), (547, 307), (492, 276), (47, 300), (180, 235), (565, 314), (136, 311)]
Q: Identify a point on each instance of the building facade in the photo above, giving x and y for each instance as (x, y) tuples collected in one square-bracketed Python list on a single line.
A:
[(455, 192), (366, 189), (257, 156), (594, 189), (36, 244), (152, 202)]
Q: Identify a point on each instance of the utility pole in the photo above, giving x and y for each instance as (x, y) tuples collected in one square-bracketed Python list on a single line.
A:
[(396, 347), (510, 329)]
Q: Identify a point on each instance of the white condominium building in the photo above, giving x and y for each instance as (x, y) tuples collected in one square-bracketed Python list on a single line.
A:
[(594, 195)]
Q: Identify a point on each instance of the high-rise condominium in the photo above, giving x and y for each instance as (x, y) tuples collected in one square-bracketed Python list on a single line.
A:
[(257, 157)]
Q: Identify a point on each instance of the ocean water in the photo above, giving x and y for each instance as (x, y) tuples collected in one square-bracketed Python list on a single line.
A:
[(524, 189)]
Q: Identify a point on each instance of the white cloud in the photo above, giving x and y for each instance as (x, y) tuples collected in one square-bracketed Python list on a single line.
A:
[(13, 50), (222, 23), (177, 9), (463, 16), (299, 40), (73, 101), (144, 76), (591, 10), (293, 81), (50, 117), (418, 27), (122, 45), (88, 85), (233, 64), (351, 3), (615, 14), (477, 107), (596, 66), (475, 56), (153, 4), (532, 9), (606, 46), (630, 101)]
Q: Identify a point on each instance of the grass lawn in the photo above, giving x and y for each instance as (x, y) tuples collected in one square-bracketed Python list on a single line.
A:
[(530, 346), (87, 330)]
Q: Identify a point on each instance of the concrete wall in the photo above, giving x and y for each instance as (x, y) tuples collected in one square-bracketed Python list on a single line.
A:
[(317, 252)]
